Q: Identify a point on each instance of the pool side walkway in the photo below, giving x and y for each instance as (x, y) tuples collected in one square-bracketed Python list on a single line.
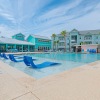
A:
[(21, 53), (82, 83)]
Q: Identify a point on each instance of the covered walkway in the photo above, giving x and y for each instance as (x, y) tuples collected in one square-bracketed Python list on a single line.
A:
[(13, 45)]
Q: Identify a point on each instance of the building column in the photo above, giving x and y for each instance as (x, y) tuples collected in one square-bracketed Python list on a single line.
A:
[(6, 47), (28, 48), (22, 48), (76, 49), (15, 46)]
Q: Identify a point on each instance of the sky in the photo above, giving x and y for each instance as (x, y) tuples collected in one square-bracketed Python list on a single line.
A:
[(45, 17)]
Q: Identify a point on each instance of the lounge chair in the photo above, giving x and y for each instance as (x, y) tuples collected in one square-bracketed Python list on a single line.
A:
[(26, 60), (29, 62), (94, 50), (4, 55), (82, 50), (1, 55), (12, 58), (88, 50)]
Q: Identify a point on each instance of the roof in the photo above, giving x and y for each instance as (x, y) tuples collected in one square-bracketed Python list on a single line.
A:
[(40, 37), (14, 41), (18, 34), (86, 31), (90, 32), (88, 45)]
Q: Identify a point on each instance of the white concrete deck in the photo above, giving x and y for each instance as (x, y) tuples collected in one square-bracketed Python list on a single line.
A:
[(81, 83), (19, 53)]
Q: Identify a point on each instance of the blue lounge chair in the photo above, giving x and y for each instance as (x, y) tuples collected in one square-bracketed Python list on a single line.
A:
[(1, 55), (88, 50), (29, 62), (82, 50), (4, 55), (94, 51), (12, 58), (26, 60)]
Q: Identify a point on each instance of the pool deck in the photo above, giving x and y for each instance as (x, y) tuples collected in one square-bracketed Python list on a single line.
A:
[(82, 83), (21, 53)]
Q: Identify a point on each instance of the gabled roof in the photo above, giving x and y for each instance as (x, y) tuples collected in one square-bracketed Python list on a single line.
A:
[(14, 41), (40, 37), (18, 34), (90, 32), (74, 30)]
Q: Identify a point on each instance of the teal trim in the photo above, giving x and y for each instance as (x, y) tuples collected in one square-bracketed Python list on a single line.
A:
[(7, 47), (40, 43), (19, 36)]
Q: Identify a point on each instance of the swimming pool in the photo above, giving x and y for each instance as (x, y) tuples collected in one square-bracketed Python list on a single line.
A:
[(67, 60)]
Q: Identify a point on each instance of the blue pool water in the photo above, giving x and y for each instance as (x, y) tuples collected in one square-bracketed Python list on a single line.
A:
[(67, 60)]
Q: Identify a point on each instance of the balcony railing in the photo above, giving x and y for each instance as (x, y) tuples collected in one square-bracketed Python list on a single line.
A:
[(61, 40), (73, 41), (61, 46)]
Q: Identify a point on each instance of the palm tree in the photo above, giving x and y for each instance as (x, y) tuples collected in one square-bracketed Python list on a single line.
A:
[(53, 35), (57, 42), (64, 33), (54, 44)]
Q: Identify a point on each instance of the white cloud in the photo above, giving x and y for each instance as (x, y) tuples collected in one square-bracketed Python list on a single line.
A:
[(27, 18), (6, 31)]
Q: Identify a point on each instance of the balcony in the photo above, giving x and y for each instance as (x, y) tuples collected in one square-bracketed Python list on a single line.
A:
[(61, 40), (87, 40), (73, 41), (61, 46)]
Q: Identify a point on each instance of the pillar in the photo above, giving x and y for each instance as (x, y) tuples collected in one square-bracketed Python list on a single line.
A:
[(22, 48), (28, 48), (6, 47)]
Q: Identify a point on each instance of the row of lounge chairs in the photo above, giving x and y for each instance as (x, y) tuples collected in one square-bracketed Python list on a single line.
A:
[(90, 50), (27, 60)]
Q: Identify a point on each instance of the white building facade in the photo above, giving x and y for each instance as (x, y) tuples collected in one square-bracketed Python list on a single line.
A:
[(76, 37)]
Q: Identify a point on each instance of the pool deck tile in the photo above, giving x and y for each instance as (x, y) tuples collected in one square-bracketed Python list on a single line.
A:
[(28, 96), (10, 88), (81, 83)]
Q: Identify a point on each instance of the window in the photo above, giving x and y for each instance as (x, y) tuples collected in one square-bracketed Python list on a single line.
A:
[(87, 37), (19, 36), (61, 44), (96, 42), (43, 40), (74, 39), (96, 37), (61, 38)]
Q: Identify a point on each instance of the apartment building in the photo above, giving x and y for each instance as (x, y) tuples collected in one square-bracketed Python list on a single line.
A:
[(76, 37)]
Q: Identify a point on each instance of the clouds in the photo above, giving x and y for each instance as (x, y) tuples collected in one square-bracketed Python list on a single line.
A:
[(48, 16)]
